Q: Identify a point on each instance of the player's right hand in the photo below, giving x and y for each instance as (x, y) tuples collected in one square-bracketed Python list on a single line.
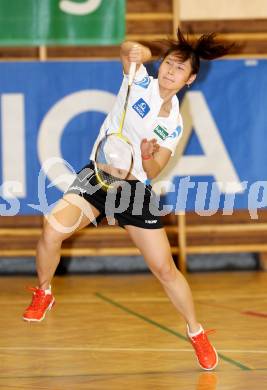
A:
[(135, 54)]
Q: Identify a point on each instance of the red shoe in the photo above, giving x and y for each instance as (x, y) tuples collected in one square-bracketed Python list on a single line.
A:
[(40, 303), (206, 353)]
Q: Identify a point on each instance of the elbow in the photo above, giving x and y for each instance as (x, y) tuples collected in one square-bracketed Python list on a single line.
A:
[(153, 170), (153, 174), (149, 176)]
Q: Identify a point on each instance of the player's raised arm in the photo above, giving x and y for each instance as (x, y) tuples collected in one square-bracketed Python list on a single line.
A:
[(133, 52)]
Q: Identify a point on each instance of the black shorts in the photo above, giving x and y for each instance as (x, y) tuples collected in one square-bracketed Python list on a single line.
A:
[(134, 204)]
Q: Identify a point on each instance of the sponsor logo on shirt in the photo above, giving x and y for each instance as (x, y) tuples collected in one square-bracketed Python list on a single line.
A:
[(150, 221), (175, 133), (141, 107), (144, 83), (161, 132)]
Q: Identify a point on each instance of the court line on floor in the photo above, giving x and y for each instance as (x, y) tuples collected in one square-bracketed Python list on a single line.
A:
[(137, 299), (250, 313), (105, 349), (165, 328), (115, 375), (254, 313)]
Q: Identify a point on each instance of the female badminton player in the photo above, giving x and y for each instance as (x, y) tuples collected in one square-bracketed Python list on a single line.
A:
[(154, 126)]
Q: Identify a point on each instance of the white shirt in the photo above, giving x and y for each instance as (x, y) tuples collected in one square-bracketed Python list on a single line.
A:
[(142, 120)]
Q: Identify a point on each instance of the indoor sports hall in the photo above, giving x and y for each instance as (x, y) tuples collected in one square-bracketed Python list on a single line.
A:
[(133, 194)]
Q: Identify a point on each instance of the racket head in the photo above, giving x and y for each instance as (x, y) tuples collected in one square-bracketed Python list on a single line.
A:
[(113, 160)]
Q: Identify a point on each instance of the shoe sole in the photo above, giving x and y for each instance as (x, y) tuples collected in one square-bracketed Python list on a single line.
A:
[(41, 319)]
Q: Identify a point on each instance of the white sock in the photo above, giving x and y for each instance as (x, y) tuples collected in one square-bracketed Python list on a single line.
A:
[(47, 290), (196, 333)]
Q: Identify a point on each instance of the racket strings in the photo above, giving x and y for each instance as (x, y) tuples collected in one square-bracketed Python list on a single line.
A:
[(106, 179), (114, 160), (114, 155)]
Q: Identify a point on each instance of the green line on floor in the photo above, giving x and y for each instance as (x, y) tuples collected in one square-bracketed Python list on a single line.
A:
[(166, 329)]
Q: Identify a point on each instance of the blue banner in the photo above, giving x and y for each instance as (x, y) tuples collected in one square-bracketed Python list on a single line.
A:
[(53, 111)]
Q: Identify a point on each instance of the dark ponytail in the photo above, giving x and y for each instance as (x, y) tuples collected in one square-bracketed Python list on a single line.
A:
[(207, 47)]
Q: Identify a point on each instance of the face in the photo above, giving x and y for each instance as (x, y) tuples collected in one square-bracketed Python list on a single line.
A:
[(174, 74)]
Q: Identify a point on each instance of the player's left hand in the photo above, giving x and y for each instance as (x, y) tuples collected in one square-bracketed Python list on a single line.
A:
[(148, 148)]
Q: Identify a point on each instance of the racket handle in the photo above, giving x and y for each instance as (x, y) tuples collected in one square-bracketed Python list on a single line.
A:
[(132, 72)]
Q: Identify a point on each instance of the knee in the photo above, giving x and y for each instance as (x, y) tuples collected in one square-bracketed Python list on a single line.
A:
[(165, 272), (51, 235)]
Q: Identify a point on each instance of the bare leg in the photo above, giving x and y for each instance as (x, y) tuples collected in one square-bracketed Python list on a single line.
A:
[(155, 247), (72, 213)]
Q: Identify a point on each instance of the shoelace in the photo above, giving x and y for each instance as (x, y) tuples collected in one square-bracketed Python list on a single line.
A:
[(37, 298), (203, 345)]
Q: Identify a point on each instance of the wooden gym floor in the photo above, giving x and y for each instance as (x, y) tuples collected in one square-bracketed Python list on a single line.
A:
[(121, 332)]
